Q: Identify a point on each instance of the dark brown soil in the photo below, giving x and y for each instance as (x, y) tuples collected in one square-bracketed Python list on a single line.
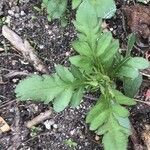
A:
[(52, 43)]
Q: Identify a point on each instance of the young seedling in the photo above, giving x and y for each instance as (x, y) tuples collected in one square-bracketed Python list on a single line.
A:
[(96, 67)]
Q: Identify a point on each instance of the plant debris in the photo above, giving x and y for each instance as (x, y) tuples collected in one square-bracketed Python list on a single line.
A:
[(4, 127), (138, 20)]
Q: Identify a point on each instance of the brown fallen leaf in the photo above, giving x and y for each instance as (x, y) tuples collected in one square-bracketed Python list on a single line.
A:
[(146, 136), (4, 127), (147, 95), (138, 20)]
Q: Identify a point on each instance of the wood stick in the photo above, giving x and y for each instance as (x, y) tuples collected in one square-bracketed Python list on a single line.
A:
[(38, 119), (24, 47)]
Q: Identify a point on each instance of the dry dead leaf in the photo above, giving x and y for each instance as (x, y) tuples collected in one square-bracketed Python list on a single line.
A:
[(146, 137), (4, 127), (147, 95)]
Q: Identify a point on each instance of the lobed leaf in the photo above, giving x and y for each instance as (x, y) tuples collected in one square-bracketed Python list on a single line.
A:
[(76, 3), (58, 88), (138, 62), (131, 86), (77, 97), (122, 99), (62, 100)]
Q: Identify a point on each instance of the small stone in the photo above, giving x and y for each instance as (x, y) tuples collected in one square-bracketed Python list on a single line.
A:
[(55, 126), (10, 12), (16, 15), (111, 29), (8, 19), (67, 54), (46, 26), (41, 46), (49, 32), (48, 124), (72, 132), (81, 136), (97, 138), (22, 13), (15, 80)]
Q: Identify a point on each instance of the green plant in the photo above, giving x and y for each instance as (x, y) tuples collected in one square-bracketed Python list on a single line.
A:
[(96, 67), (70, 143), (57, 8), (144, 1)]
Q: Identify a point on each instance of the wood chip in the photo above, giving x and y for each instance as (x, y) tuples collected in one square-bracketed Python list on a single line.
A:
[(38, 119), (4, 127), (1, 49)]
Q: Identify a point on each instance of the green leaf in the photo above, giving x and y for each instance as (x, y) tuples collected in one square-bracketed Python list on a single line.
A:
[(131, 86), (128, 72), (87, 24), (38, 88), (82, 48), (62, 100), (64, 73), (120, 111), (76, 72), (122, 99), (58, 88), (144, 1), (115, 138), (99, 120), (104, 9), (82, 62), (77, 97), (138, 62), (103, 43), (55, 8), (131, 41), (102, 129), (111, 51), (76, 3), (95, 111)]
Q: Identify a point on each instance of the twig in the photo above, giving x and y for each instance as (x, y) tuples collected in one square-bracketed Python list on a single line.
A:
[(148, 103), (38, 119), (135, 140), (16, 73), (25, 48), (17, 132), (90, 97), (7, 103), (145, 74)]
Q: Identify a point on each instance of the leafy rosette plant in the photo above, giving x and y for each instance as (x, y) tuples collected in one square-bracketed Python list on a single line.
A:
[(56, 8), (96, 67)]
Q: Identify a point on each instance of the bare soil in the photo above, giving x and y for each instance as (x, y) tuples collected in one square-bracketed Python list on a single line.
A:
[(52, 44)]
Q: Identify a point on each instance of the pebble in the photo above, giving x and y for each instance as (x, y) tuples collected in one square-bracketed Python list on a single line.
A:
[(10, 12), (111, 29), (48, 124), (67, 54), (8, 18), (97, 138), (16, 15), (55, 126), (72, 132), (22, 13), (15, 80)]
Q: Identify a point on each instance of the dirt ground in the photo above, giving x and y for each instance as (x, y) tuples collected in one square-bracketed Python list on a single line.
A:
[(52, 44)]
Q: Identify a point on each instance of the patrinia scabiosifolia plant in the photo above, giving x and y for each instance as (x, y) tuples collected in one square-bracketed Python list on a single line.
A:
[(96, 67), (56, 8)]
